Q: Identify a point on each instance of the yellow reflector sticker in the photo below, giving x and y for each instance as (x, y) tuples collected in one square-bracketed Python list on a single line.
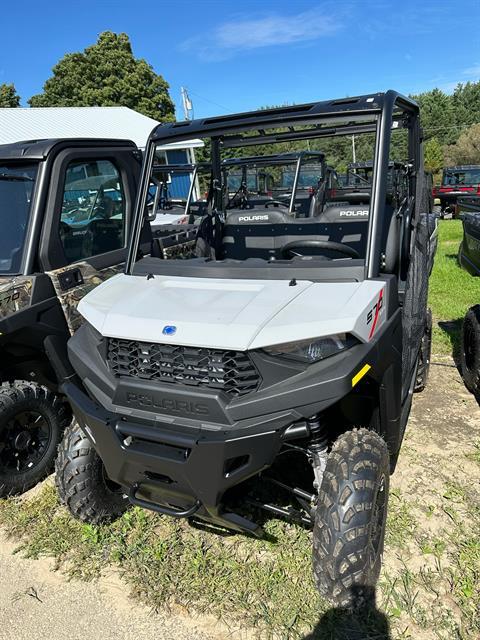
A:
[(357, 377)]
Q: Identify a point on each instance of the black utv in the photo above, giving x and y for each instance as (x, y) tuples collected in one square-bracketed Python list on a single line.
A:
[(469, 258), (270, 370), (65, 206)]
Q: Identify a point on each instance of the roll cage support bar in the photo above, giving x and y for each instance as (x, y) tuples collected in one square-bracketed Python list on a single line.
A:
[(376, 113)]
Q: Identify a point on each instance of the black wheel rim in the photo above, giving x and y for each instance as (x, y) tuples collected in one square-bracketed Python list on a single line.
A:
[(378, 521), (469, 345), (24, 441)]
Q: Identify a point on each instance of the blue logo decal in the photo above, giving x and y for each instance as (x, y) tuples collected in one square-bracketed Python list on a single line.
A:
[(169, 330)]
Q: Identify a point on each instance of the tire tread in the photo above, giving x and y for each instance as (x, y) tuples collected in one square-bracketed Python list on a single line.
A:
[(344, 509)]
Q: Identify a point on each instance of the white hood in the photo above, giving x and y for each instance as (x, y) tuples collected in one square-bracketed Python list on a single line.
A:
[(225, 314)]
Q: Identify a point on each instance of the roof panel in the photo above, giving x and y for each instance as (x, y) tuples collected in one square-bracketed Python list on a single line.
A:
[(17, 124)]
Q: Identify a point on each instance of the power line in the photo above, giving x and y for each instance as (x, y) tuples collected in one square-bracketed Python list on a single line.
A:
[(452, 128), (216, 104)]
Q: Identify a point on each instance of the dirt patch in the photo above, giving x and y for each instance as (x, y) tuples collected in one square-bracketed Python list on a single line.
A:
[(437, 485)]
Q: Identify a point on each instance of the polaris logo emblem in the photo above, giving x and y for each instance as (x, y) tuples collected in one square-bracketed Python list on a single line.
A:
[(252, 218), (353, 214), (169, 330), (169, 405)]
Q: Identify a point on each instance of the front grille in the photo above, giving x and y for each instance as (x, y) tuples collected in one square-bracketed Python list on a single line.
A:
[(229, 371)]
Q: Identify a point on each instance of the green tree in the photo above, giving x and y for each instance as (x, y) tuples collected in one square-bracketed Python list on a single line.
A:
[(9, 96), (438, 116), (467, 148), (433, 155), (107, 74), (466, 104)]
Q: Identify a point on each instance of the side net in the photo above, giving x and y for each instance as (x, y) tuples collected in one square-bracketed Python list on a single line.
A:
[(416, 289)]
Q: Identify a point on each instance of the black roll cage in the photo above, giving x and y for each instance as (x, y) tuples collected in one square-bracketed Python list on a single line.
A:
[(375, 113)]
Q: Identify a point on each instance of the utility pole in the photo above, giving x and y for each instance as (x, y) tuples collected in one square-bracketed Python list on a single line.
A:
[(186, 103), (354, 154)]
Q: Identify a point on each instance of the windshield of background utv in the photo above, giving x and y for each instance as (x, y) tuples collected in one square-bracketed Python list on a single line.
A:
[(461, 177), (267, 179), (255, 211), (16, 189)]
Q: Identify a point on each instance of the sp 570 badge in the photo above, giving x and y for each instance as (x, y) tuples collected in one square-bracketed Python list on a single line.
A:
[(373, 313)]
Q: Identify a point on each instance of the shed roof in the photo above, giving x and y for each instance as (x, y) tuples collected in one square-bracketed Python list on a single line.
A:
[(37, 123)]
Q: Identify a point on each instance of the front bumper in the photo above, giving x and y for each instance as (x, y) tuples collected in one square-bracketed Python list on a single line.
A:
[(175, 469), (450, 198)]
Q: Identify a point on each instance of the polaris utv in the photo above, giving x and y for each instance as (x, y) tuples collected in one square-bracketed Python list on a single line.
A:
[(272, 371), (65, 206)]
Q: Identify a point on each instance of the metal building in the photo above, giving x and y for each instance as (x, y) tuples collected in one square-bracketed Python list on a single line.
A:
[(35, 123)]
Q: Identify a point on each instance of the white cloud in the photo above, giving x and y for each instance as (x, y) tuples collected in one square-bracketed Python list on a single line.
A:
[(472, 72), (240, 35)]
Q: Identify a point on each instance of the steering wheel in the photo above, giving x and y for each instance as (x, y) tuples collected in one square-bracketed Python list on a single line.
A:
[(288, 249), (276, 203)]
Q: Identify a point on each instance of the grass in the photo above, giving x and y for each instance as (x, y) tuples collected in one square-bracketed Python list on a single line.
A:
[(452, 290), (266, 584)]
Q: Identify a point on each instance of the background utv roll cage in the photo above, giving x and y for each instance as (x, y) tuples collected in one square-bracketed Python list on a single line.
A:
[(378, 113), (296, 158)]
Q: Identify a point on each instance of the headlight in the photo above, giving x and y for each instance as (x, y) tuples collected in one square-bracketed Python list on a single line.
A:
[(313, 349)]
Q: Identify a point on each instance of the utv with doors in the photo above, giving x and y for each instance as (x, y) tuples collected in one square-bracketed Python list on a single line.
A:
[(469, 258), (65, 207), (269, 371)]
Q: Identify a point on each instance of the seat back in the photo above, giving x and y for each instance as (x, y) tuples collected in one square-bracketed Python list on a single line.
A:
[(343, 212), (265, 239)]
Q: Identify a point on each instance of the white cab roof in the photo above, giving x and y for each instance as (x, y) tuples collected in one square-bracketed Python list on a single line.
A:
[(37, 123)]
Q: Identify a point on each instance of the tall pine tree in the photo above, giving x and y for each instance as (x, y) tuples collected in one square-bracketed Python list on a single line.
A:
[(107, 74), (9, 96)]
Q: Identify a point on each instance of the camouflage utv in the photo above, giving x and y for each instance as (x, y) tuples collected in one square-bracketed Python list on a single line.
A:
[(65, 208)]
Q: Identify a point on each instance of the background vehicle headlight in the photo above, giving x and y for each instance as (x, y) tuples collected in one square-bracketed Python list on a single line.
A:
[(313, 349)]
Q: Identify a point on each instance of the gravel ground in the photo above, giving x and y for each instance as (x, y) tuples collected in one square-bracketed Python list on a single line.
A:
[(36, 603)]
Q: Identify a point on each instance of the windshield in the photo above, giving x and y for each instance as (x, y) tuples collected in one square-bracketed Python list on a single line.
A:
[(308, 177), (361, 176), (271, 177), (236, 179), (460, 177), (16, 190)]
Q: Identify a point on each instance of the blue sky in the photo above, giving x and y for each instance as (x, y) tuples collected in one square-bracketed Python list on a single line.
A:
[(240, 55)]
